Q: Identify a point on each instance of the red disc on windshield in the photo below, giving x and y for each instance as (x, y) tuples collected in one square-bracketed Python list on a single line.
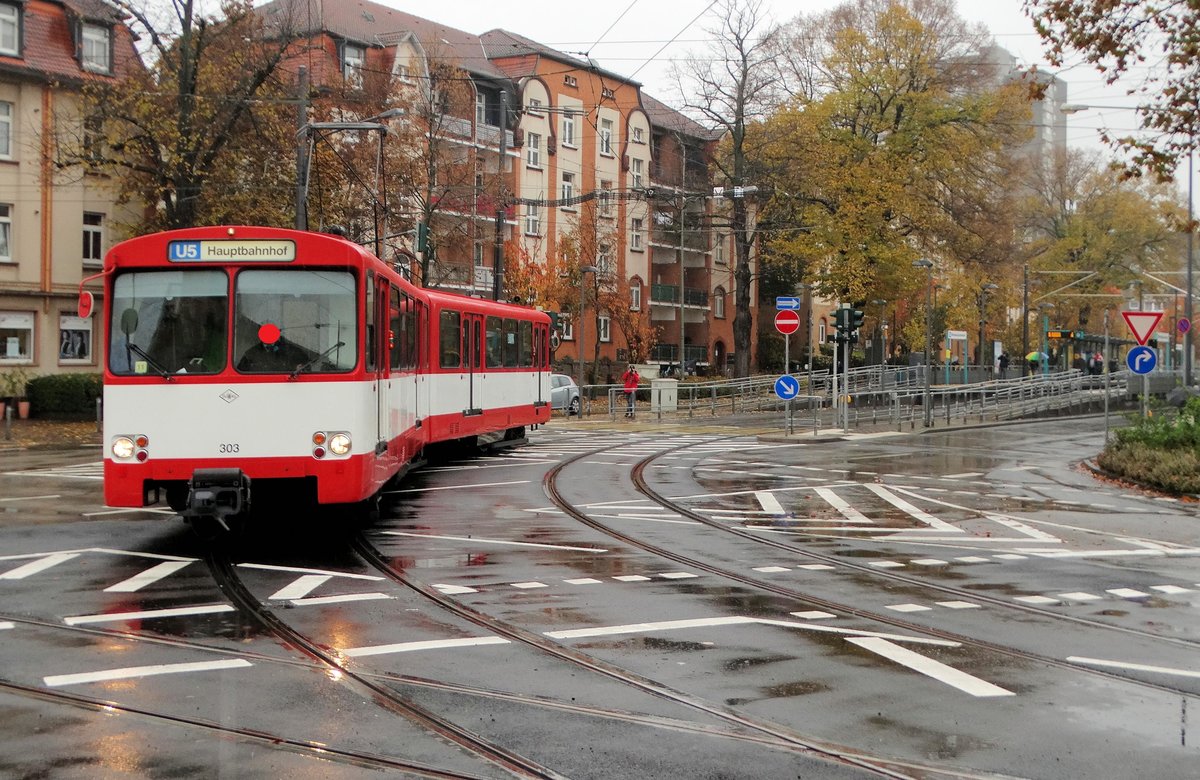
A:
[(268, 333)]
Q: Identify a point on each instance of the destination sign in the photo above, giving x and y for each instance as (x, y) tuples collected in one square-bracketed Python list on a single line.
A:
[(247, 250)]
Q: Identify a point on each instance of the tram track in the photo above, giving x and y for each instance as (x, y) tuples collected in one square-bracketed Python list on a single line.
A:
[(637, 473), (222, 570)]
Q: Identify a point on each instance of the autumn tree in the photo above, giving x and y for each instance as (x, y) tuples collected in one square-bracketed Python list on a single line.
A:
[(1157, 42), (199, 133), (729, 87)]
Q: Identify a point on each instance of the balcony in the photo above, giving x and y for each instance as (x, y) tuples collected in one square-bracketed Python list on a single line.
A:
[(669, 294), (486, 136), (669, 353)]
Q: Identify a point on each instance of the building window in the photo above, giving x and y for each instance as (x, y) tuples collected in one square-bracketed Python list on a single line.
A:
[(403, 73), (93, 239), (606, 131), (635, 234), (477, 254), (533, 150), (719, 249), (607, 93), (353, 59), (604, 322), (533, 222), (97, 48), (719, 303), (10, 30), (535, 106), (567, 328), (604, 260), (637, 135), (568, 129), (822, 333), (74, 339), (636, 170), (16, 337), (480, 108), (606, 198), (570, 81), (6, 124), (568, 189), (5, 233), (635, 295)]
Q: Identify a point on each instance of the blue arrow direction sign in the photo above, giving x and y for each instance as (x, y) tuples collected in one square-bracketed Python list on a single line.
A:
[(786, 302), (1141, 360), (787, 387)]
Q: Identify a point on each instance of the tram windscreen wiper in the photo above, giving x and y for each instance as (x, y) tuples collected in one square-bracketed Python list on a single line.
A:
[(164, 373), (321, 356)]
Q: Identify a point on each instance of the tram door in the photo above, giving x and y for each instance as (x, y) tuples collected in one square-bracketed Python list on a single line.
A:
[(472, 335), (383, 343)]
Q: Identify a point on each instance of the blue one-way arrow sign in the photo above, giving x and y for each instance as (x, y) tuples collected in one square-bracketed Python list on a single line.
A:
[(787, 387), (786, 302)]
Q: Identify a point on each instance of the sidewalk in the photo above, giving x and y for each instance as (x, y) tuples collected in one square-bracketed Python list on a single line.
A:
[(48, 434)]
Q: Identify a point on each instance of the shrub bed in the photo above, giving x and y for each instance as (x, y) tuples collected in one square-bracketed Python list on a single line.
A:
[(64, 396), (1160, 451)]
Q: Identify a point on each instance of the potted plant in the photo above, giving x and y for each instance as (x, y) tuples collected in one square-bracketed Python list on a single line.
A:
[(13, 381)]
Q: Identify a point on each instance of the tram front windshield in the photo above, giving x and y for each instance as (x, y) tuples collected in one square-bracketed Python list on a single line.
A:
[(286, 321), (294, 321), (169, 322)]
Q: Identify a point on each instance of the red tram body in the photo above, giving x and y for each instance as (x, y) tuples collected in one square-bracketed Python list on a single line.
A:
[(296, 364)]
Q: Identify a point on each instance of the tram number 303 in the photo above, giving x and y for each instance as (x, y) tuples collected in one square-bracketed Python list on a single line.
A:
[(228, 448)]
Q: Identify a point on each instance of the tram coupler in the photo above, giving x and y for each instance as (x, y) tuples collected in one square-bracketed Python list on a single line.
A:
[(215, 495)]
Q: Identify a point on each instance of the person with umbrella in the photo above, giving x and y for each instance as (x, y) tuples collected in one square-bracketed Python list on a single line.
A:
[(1034, 359)]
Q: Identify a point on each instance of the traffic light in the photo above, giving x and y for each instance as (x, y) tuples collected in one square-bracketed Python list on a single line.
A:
[(856, 319), (422, 237), (841, 318)]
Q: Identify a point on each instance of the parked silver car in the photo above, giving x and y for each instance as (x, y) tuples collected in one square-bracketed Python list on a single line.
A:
[(564, 393)]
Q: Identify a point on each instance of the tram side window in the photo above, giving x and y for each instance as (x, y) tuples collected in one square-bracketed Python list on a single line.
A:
[(525, 330), (370, 322), (510, 343), (169, 322), (493, 343), (449, 338), (404, 332), (395, 334)]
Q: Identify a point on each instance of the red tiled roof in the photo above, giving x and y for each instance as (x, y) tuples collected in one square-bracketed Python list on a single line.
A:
[(48, 50), (662, 115)]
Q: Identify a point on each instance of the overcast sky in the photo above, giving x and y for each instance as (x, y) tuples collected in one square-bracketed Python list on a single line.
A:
[(628, 37)]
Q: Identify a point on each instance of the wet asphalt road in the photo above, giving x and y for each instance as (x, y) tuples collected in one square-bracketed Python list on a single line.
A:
[(619, 602)]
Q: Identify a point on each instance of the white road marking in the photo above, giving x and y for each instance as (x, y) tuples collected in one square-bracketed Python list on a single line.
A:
[(912, 511), (1171, 590), (908, 608), (848, 513), (1036, 600), (1134, 667), (769, 503), (454, 590), (957, 605), (481, 540), (301, 587), (771, 569), (584, 581), (733, 620), (886, 564), (28, 498), (1078, 596), (127, 672), (930, 668), (678, 575), (299, 570), (529, 585), (148, 577), (457, 487), (149, 614), (631, 578), (7, 624), (431, 644), (929, 562), (814, 615), (816, 567), (963, 475), (1128, 593), (21, 572), (1011, 557), (973, 559), (317, 600)]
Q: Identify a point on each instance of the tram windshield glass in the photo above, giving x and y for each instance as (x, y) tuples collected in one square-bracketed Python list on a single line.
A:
[(294, 321), (169, 322)]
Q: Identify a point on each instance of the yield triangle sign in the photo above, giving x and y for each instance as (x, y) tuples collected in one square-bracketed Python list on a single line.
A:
[(1142, 323)]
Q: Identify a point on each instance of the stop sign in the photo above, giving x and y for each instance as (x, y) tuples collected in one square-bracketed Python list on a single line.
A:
[(787, 322)]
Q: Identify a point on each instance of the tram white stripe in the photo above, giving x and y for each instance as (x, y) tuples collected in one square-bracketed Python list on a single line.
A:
[(432, 644), (1134, 667), (929, 667), (21, 572), (150, 614), (301, 587), (57, 680), (148, 577), (481, 540)]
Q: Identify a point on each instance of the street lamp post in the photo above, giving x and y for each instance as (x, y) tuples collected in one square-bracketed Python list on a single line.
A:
[(583, 272), (983, 296), (928, 266)]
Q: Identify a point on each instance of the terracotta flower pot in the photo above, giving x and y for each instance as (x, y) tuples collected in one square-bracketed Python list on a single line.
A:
[(23, 410)]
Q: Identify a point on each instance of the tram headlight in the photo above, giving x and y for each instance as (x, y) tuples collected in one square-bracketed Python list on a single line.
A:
[(339, 443), (122, 448)]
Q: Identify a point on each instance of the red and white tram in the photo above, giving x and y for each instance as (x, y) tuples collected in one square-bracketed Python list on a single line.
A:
[(279, 363)]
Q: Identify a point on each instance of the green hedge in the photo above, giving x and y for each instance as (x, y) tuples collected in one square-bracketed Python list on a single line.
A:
[(64, 395)]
